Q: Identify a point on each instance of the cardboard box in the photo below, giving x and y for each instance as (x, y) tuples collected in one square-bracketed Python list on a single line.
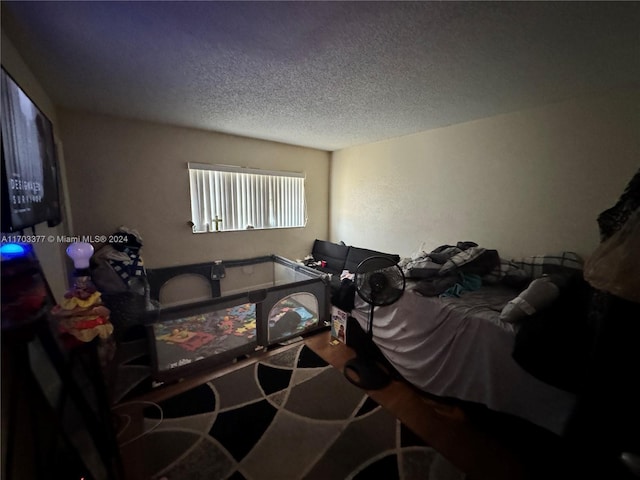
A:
[(339, 324)]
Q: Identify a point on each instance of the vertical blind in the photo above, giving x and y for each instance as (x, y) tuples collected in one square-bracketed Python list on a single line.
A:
[(243, 198)]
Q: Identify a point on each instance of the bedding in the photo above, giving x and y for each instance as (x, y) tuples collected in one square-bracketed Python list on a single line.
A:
[(456, 345)]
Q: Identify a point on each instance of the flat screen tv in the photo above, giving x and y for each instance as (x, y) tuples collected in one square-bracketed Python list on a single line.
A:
[(30, 193)]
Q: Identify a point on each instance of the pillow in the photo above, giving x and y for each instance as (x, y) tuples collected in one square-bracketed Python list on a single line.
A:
[(540, 293), (507, 272), (538, 265)]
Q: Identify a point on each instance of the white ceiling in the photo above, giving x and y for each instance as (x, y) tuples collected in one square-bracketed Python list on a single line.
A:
[(326, 75)]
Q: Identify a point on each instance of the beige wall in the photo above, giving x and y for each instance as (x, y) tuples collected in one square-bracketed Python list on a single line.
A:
[(134, 173), (530, 182), (50, 254)]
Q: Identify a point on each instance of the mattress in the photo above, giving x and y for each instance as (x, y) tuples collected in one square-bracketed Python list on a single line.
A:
[(458, 347)]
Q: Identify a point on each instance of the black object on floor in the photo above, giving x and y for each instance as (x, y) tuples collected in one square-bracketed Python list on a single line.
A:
[(366, 374)]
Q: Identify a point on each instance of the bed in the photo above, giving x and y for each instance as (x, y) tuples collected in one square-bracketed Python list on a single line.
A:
[(456, 344)]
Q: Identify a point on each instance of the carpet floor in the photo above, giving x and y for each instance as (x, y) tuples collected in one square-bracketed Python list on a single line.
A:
[(290, 416)]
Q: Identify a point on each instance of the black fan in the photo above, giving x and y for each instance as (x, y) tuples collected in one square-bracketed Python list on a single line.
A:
[(379, 282)]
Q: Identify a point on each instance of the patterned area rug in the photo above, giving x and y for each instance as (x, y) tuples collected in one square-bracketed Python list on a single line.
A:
[(291, 416)]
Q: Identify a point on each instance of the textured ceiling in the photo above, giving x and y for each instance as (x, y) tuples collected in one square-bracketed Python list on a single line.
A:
[(325, 75)]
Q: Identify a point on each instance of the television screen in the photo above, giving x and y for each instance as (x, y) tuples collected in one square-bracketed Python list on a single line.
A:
[(29, 164)]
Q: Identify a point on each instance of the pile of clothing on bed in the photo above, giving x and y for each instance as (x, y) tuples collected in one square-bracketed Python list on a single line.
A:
[(451, 270)]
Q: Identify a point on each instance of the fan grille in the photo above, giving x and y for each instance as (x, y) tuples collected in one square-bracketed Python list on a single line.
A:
[(379, 281)]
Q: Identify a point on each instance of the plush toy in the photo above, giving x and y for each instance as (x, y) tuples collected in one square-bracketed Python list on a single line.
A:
[(81, 312)]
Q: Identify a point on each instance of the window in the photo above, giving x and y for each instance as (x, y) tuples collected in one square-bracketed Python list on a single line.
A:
[(226, 198)]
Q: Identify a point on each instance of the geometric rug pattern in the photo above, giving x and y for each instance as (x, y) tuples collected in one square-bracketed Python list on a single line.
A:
[(291, 416)]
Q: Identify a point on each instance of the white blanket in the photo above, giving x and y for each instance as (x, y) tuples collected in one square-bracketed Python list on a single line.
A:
[(458, 347)]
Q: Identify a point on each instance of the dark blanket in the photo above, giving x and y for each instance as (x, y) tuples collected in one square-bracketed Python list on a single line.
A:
[(447, 269), (554, 343), (344, 296)]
